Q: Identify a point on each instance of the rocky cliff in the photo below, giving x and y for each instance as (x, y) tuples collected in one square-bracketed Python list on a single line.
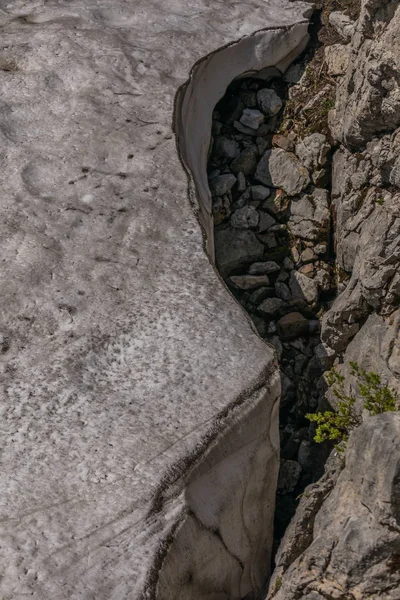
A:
[(344, 541)]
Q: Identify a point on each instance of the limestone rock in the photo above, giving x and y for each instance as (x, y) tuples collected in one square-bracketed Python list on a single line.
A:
[(368, 96), (269, 102), (292, 326), (236, 248), (281, 169), (349, 546), (343, 25), (337, 59), (313, 151), (245, 218), (271, 307), (303, 288), (264, 268), (252, 118), (310, 216), (249, 282), (260, 192), (222, 184), (246, 162), (226, 148)]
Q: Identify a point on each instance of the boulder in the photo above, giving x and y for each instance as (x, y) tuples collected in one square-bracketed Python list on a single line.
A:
[(245, 218), (303, 288), (236, 249), (252, 118), (246, 162), (222, 184), (264, 268), (292, 326), (269, 102), (249, 282), (344, 540), (281, 169)]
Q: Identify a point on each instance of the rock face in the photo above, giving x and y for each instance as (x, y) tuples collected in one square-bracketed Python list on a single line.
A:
[(344, 541), (348, 547), (127, 393)]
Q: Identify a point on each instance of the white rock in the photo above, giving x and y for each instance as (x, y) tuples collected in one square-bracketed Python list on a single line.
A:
[(281, 169)]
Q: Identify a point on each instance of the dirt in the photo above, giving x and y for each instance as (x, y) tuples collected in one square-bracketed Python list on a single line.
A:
[(307, 109)]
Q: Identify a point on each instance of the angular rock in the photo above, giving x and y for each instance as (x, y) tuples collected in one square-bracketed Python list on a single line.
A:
[(282, 291), (342, 24), (264, 268), (252, 118), (266, 222), (271, 307), (260, 192), (236, 249), (246, 162), (313, 151), (337, 59), (249, 282), (281, 169), (222, 184), (303, 288), (226, 148), (261, 294), (245, 130), (269, 102), (310, 215), (292, 325), (245, 218), (349, 531)]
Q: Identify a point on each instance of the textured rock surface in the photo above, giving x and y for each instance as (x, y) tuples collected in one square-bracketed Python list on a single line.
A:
[(132, 382), (350, 547)]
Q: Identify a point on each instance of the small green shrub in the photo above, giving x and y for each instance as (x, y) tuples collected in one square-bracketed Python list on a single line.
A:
[(380, 201), (336, 426)]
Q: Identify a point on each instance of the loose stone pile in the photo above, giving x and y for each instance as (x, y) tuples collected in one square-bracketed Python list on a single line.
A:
[(271, 207)]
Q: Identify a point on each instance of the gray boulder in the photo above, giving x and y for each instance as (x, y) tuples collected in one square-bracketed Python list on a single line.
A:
[(269, 102), (245, 218), (226, 148), (252, 118), (222, 184), (235, 249), (303, 288), (264, 268), (246, 162), (344, 541), (281, 169), (310, 216)]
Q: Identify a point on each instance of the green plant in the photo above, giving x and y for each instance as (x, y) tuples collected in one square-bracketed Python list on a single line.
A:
[(278, 584), (336, 426), (380, 201)]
